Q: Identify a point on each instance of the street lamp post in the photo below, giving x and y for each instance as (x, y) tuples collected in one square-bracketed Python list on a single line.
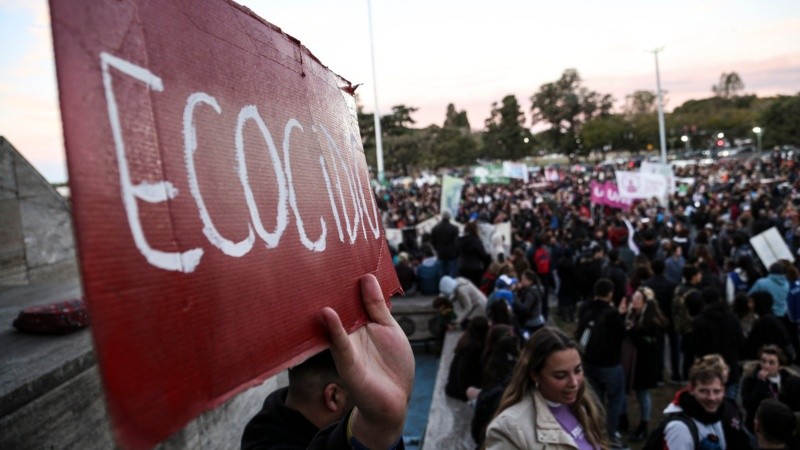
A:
[(661, 133), (758, 131), (685, 140), (377, 117)]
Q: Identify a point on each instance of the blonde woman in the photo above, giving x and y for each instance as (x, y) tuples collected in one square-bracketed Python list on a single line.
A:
[(645, 326), (547, 403)]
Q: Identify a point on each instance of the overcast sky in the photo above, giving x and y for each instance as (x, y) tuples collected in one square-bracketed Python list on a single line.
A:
[(469, 53)]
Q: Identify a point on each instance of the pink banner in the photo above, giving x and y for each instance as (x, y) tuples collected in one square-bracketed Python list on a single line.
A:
[(607, 194)]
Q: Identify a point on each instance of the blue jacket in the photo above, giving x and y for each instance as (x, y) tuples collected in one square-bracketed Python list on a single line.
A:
[(778, 287)]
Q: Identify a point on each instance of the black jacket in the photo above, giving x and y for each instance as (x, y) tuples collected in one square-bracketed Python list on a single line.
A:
[(278, 427), (767, 329), (664, 289), (608, 331), (472, 255), (465, 370), (717, 330), (444, 237), (755, 390)]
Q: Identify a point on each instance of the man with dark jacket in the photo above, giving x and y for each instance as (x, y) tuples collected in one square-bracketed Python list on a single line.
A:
[(616, 271), (375, 367), (600, 332), (444, 237), (664, 289), (717, 330), (292, 416)]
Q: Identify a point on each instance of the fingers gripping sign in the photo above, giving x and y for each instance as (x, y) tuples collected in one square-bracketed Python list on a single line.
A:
[(376, 365)]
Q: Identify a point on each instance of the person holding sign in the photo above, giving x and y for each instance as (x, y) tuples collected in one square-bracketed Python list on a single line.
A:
[(375, 367)]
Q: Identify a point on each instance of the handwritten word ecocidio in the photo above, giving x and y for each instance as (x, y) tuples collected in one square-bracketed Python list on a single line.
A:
[(162, 191)]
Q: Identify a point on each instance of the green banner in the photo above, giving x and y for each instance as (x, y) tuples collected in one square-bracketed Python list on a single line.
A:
[(491, 174), (451, 194)]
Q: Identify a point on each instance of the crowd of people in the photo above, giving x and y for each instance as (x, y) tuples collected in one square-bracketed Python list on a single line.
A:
[(669, 290)]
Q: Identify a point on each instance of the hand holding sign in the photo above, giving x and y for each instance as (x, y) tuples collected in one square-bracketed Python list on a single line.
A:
[(376, 365)]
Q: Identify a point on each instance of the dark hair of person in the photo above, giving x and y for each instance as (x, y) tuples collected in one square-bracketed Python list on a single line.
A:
[(791, 273), (476, 331), (309, 377), (427, 251), (500, 363), (658, 266), (772, 349), (520, 262), (531, 275), (471, 228), (533, 359), (496, 332), (777, 268), (689, 271), (640, 275), (762, 302), (603, 287), (703, 372), (500, 313), (777, 421), (740, 305), (749, 267)]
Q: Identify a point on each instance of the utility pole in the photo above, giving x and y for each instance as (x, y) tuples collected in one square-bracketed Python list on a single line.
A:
[(661, 133), (377, 117)]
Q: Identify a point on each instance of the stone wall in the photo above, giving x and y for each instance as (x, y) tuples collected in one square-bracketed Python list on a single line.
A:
[(36, 239)]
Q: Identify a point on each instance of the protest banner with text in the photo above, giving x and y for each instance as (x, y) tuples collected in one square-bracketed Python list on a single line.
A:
[(606, 193), (221, 200)]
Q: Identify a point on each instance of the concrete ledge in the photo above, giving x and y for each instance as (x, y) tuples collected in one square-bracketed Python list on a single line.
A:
[(51, 394), (449, 419)]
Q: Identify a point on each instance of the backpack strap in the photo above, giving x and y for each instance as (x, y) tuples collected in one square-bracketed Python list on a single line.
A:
[(686, 420)]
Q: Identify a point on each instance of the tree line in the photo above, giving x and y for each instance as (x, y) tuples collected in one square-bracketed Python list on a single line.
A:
[(577, 121)]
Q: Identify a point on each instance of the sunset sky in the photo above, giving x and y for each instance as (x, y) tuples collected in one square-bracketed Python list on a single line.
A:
[(470, 53)]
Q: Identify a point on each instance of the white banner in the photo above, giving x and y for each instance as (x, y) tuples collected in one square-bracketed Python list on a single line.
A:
[(641, 185), (771, 247), (660, 169), (515, 170)]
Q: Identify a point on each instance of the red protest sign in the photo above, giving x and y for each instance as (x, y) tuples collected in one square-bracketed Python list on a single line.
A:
[(221, 199)]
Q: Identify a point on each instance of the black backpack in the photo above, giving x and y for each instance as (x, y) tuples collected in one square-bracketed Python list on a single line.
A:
[(655, 440)]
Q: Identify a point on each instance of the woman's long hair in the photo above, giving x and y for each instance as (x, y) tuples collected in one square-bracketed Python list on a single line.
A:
[(476, 331), (650, 316), (533, 358)]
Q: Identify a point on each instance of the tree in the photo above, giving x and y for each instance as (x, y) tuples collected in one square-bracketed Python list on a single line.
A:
[(456, 119), (506, 136), (779, 121), (701, 120), (565, 105), (640, 103), (606, 130), (400, 142), (453, 144), (366, 125), (399, 121), (730, 84)]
